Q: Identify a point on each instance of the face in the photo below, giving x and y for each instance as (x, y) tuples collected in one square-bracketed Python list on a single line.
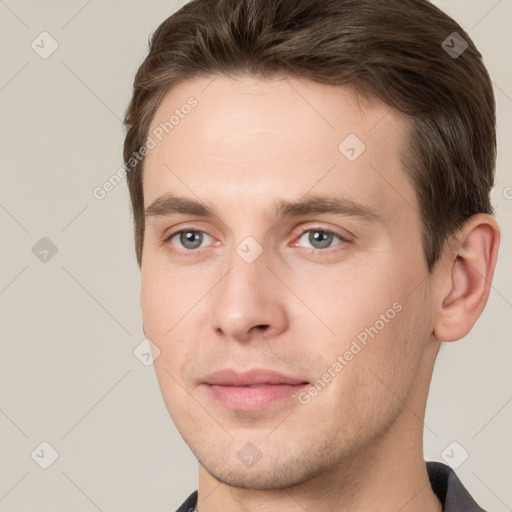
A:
[(302, 256)]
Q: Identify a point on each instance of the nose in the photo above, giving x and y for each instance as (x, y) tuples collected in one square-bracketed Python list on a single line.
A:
[(250, 302)]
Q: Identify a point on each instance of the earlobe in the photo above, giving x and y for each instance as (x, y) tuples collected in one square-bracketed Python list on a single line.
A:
[(469, 276)]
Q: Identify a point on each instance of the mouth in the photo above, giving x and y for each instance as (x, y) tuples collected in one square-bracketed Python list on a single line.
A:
[(252, 390)]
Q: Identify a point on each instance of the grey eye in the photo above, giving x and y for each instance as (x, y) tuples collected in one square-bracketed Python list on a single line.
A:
[(190, 239), (320, 238)]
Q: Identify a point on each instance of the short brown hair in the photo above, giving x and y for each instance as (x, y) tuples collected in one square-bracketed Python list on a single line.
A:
[(394, 50)]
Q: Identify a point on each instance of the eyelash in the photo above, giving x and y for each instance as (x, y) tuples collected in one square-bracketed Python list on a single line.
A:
[(193, 252)]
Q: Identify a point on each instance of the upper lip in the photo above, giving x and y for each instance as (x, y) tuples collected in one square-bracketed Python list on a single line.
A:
[(230, 377)]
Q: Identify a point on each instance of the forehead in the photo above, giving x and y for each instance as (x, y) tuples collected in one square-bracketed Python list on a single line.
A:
[(246, 137)]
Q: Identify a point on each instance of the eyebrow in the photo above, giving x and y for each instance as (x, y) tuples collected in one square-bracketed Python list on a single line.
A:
[(169, 204)]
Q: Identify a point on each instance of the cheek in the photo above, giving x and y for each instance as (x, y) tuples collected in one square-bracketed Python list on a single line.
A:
[(348, 301), (378, 316), (161, 309), (378, 380), (154, 308), (164, 298), (394, 355), (167, 306)]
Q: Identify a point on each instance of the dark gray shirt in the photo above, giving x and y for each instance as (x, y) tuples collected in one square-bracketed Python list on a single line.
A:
[(445, 483)]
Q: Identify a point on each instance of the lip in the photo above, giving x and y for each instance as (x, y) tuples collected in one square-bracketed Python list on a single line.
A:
[(256, 376), (251, 390)]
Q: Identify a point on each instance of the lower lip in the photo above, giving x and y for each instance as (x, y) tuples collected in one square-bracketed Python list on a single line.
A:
[(245, 398)]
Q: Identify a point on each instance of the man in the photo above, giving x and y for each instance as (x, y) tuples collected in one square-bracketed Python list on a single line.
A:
[(310, 187)]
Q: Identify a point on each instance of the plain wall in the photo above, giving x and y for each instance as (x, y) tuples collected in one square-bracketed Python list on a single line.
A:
[(70, 325)]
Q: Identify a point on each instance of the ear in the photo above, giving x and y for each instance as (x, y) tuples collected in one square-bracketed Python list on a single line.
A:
[(471, 259)]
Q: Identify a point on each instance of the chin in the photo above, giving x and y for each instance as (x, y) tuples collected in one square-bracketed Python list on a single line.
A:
[(262, 479), (269, 473)]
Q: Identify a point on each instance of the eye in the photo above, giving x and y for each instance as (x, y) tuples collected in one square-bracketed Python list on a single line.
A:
[(321, 238), (190, 239), (187, 241)]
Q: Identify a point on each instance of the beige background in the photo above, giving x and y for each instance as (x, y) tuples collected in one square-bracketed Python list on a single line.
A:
[(69, 327)]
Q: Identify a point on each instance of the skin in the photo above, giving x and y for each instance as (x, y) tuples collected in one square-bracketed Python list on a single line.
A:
[(357, 444)]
